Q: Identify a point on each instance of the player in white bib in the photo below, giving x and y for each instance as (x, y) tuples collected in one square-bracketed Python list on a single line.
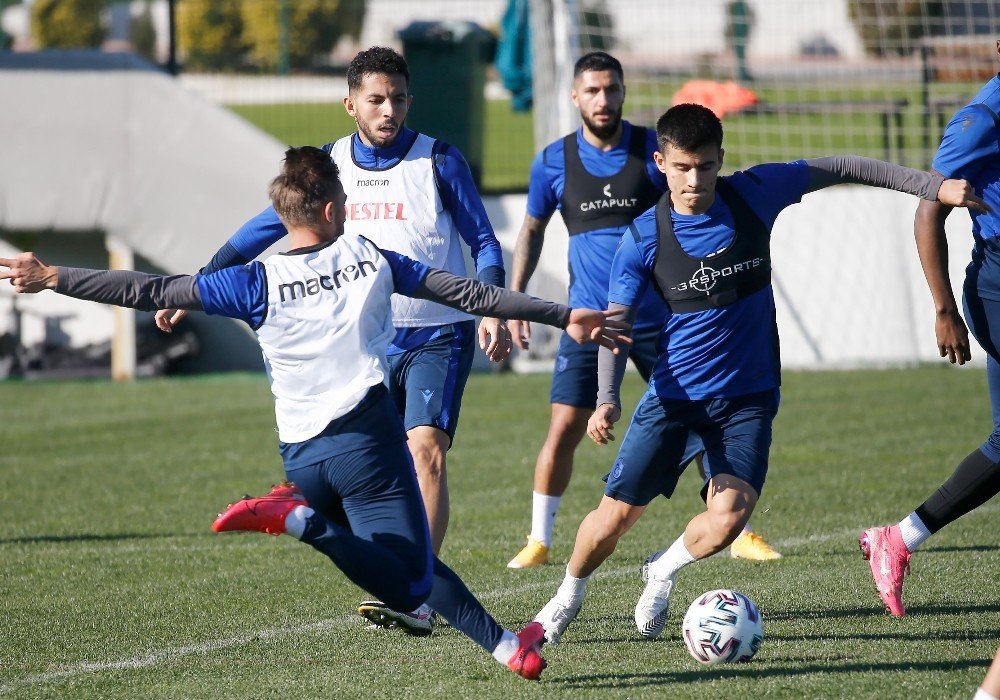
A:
[(414, 194), (322, 315)]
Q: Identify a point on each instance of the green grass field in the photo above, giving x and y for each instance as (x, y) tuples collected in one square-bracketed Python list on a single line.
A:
[(113, 585)]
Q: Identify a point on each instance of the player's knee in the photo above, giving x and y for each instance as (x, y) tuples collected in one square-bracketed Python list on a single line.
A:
[(608, 526), (727, 525)]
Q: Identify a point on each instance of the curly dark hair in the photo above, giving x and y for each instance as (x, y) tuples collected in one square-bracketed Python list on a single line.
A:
[(309, 179), (688, 127), (377, 59), (598, 60)]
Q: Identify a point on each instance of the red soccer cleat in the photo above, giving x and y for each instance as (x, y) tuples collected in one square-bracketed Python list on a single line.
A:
[(264, 514), (285, 488), (527, 662)]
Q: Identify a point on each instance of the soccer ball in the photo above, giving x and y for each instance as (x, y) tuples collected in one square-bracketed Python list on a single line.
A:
[(722, 627)]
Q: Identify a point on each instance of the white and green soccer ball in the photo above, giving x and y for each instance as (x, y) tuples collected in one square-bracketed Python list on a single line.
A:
[(722, 626)]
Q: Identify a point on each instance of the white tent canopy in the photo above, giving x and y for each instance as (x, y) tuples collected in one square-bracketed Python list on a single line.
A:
[(106, 142)]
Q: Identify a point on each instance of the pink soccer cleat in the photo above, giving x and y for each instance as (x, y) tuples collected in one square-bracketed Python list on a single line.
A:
[(264, 514), (889, 561), (527, 662)]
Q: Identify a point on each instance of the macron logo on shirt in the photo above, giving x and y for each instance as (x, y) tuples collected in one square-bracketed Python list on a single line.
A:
[(367, 211), (290, 291)]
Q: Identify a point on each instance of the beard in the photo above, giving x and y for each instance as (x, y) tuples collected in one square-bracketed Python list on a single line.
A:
[(374, 138), (608, 130)]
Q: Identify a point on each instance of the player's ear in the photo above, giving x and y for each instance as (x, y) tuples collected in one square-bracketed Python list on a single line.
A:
[(330, 212), (661, 162), (349, 104), (722, 154)]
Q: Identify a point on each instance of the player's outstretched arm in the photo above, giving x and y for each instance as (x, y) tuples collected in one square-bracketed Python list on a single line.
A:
[(29, 275), (932, 248), (840, 170), (472, 296)]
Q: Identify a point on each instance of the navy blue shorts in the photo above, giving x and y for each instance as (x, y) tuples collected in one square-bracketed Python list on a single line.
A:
[(734, 433), (427, 383), (983, 318), (574, 379)]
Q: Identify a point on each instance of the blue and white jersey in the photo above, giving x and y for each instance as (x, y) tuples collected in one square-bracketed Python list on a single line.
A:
[(323, 319), (591, 253), (726, 351), (453, 188), (970, 150)]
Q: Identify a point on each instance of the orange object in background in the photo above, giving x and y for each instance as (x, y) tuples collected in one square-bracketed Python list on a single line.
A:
[(721, 98)]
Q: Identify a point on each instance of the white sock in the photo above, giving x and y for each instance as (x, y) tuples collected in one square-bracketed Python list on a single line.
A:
[(543, 516), (984, 695), (507, 647), (913, 531), (295, 521), (572, 588), (671, 561)]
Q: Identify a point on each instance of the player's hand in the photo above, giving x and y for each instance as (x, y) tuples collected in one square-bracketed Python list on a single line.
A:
[(28, 274), (601, 423), (959, 193), (166, 319), (520, 332), (593, 326), (952, 337), (494, 339)]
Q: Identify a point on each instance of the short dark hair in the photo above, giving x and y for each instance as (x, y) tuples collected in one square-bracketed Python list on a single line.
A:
[(598, 60), (377, 59), (688, 127), (309, 179)]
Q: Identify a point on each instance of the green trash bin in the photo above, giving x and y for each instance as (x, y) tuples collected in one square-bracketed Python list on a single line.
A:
[(447, 63)]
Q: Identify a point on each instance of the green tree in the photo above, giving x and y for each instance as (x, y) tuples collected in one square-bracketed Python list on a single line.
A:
[(143, 34), (210, 34), (893, 28), (314, 27), (68, 24)]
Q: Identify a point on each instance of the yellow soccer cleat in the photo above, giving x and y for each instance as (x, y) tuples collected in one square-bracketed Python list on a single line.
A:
[(534, 554), (750, 545)]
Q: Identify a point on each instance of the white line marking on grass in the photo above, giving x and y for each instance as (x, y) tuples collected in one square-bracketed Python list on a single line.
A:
[(160, 656)]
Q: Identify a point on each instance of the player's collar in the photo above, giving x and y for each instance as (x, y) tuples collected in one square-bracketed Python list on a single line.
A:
[(381, 157)]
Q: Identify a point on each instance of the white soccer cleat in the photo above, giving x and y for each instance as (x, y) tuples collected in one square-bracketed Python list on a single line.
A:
[(556, 616), (418, 623), (651, 609)]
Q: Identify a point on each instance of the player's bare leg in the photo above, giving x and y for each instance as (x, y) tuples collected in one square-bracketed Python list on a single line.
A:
[(553, 470), (596, 539), (748, 544), (429, 447), (729, 503)]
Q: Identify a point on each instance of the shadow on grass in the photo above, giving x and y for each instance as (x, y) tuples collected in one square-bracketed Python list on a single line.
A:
[(756, 671), (119, 537), (969, 548), (958, 635), (912, 611)]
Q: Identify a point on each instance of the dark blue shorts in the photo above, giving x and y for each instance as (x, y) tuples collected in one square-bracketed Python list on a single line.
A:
[(983, 318), (373, 492), (574, 378), (734, 433), (427, 383)]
